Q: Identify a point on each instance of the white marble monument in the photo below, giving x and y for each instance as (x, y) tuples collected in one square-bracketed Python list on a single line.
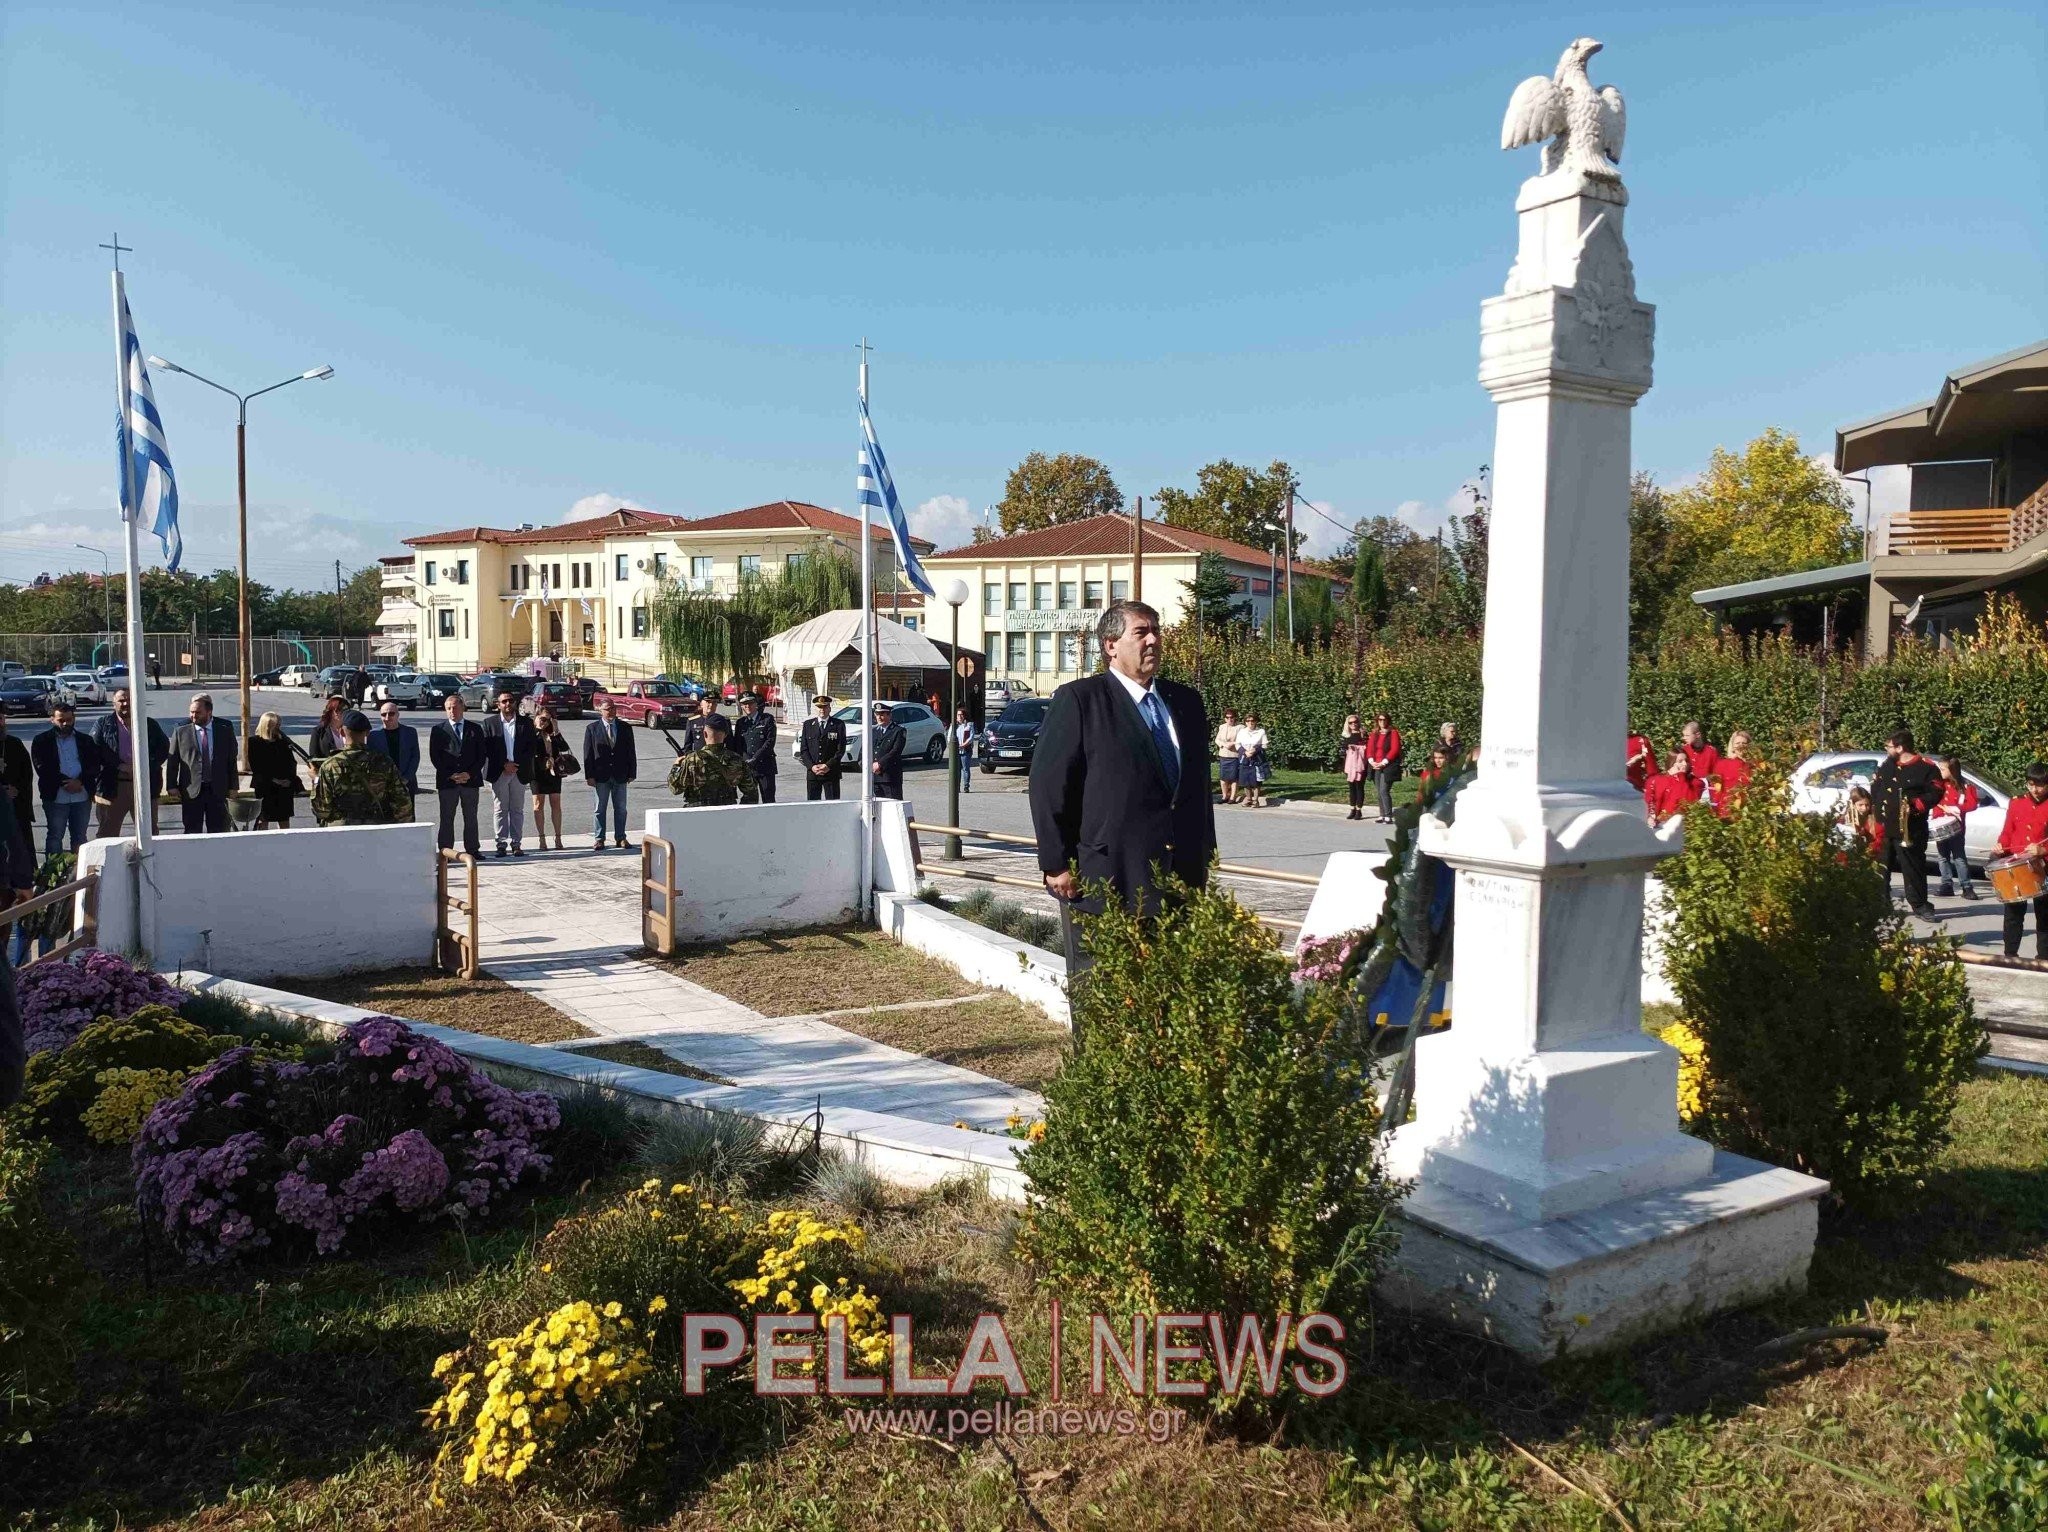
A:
[(1557, 1205)]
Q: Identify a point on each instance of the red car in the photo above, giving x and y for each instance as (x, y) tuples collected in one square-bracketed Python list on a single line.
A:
[(562, 698), (662, 704), (769, 693)]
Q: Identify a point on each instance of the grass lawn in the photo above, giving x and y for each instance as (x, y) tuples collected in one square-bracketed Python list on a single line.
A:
[(806, 972), (483, 1004), (269, 1396), (645, 1056), (1290, 784), (999, 1036)]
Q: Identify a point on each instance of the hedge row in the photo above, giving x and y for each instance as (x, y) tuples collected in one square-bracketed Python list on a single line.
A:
[(1987, 703)]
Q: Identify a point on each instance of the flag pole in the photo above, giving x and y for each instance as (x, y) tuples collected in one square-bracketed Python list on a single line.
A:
[(138, 705), (867, 683)]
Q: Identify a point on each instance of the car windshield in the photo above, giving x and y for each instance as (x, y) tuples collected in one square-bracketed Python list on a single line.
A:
[(442, 678), (662, 689), (1986, 779), (1031, 710)]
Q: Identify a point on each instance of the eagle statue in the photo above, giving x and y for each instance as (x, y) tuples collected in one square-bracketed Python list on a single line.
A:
[(1580, 128)]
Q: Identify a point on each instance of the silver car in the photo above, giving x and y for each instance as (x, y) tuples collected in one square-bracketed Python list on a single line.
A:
[(1820, 784), (924, 732)]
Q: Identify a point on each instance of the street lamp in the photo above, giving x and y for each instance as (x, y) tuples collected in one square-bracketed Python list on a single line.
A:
[(956, 596), (242, 512), (106, 588)]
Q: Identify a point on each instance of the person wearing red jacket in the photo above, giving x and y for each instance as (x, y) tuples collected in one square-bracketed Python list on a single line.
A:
[(1731, 774), (1638, 759), (1701, 758), (1670, 791), (2025, 833), (1945, 826), (1383, 759)]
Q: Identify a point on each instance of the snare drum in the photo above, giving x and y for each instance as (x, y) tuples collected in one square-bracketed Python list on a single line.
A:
[(2016, 879)]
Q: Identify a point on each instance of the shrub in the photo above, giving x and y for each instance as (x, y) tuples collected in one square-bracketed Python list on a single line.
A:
[(1209, 1146), (36, 1266), (60, 1000), (1832, 1041), (53, 921), (723, 1152), (394, 1130), (63, 1088), (2001, 1433)]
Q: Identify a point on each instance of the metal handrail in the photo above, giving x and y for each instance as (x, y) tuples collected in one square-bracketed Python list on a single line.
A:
[(455, 952), (87, 933), (1236, 869)]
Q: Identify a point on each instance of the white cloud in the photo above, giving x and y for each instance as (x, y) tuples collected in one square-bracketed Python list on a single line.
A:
[(600, 504), (1320, 534), (945, 519), (1429, 519)]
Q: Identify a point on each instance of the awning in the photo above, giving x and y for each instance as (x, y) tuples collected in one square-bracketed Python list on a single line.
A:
[(824, 638), (1810, 582)]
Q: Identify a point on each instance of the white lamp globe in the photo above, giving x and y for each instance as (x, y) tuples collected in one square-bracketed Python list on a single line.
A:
[(957, 593)]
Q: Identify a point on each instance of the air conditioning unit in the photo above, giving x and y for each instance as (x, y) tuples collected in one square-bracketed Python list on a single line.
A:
[(641, 565)]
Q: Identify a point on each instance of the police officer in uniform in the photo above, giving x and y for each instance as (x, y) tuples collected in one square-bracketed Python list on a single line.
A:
[(716, 775), (822, 748), (358, 785), (755, 736), (887, 754), (693, 730)]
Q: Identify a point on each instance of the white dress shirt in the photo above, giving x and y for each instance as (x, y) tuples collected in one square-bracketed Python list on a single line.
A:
[(1138, 695)]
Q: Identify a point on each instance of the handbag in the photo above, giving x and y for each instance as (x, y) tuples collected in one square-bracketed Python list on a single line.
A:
[(566, 765)]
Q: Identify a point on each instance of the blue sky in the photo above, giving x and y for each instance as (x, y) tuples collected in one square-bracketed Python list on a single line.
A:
[(559, 253)]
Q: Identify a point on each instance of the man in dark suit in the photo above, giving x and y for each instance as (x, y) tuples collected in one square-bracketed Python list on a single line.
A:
[(115, 793), (755, 737), (456, 748), (18, 781), (1120, 780), (400, 741), (693, 730), (821, 748), (67, 767), (509, 748), (609, 763), (887, 742), (202, 767)]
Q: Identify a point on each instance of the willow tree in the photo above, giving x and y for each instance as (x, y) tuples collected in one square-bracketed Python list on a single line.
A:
[(722, 634)]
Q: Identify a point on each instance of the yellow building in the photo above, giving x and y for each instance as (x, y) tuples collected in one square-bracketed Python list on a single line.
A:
[(583, 591), (1038, 595)]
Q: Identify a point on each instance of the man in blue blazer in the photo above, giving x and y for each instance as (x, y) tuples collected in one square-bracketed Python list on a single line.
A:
[(1120, 779), (401, 742), (610, 761)]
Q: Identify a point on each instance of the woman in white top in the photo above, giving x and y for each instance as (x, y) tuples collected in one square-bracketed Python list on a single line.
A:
[(1252, 770), (1226, 754)]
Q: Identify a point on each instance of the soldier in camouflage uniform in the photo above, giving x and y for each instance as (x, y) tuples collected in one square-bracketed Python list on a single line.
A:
[(358, 785), (717, 774)]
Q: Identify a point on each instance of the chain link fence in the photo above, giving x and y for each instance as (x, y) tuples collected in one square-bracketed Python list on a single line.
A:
[(179, 655)]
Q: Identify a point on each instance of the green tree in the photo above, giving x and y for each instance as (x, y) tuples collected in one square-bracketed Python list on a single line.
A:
[(1229, 500), (1370, 601), (1213, 595), (721, 635), (1052, 491), (1653, 565)]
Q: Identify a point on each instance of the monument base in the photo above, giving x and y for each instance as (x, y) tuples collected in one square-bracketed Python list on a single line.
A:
[(1593, 1280)]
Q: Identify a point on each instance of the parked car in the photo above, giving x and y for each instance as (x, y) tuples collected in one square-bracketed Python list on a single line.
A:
[(12, 668), (660, 704), (268, 677), (27, 694), (437, 686), (83, 684), (1820, 785), (997, 694), (589, 686), (113, 677), (481, 690), (1012, 739), (399, 686), (768, 691), (924, 730), (692, 687), (559, 697), (307, 676)]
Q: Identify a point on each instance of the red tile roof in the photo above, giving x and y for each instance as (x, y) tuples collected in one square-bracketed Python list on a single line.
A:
[(788, 515), (1109, 536)]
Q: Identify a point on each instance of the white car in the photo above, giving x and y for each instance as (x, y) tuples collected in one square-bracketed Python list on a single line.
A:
[(1820, 785), (82, 683), (299, 675), (399, 686), (999, 694), (925, 732)]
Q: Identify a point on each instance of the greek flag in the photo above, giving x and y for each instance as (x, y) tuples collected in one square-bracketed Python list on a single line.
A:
[(140, 441), (879, 490)]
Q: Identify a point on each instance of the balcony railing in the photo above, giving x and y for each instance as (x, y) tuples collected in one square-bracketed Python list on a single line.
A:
[(1988, 530)]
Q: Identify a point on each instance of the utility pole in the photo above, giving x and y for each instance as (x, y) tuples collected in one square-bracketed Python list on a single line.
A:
[(1290, 566), (1272, 599), (340, 631), (1138, 550)]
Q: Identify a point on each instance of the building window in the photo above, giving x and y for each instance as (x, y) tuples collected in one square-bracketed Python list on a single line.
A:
[(515, 576), (1016, 598), (462, 571), (750, 566), (430, 571), (1091, 653), (465, 622), (621, 622), (1070, 651), (1041, 596), (991, 600), (661, 566), (575, 577), (1091, 595), (639, 622), (992, 648), (792, 562), (700, 569), (1041, 651), (1016, 657), (1119, 590), (1069, 595), (444, 621), (555, 576), (622, 565)]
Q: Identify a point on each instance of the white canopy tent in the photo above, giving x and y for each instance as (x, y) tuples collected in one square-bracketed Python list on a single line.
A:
[(810, 657)]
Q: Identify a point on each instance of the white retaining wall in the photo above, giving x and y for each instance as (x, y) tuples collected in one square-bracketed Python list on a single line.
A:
[(745, 869), (272, 903), (986, 957)]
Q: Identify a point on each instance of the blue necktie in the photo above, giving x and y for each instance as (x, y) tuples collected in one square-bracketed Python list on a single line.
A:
[(1162, 736)]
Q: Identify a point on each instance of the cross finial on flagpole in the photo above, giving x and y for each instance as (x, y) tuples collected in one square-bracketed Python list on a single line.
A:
[(117, 247)]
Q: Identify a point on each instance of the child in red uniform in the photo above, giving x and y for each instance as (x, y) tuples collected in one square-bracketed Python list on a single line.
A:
[(1731, 776), (1670, 791), (1945, 826), (1638, 760), (1701, 758), (2026, 834)]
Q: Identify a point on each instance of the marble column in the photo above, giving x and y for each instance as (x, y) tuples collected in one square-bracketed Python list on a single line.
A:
[(1557, 1204)]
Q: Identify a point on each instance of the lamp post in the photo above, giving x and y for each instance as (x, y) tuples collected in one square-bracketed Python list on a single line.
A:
[(106, 588), (242, 664), (956, 596)]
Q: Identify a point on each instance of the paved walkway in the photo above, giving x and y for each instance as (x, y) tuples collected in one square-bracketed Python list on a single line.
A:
[(563, 927)]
